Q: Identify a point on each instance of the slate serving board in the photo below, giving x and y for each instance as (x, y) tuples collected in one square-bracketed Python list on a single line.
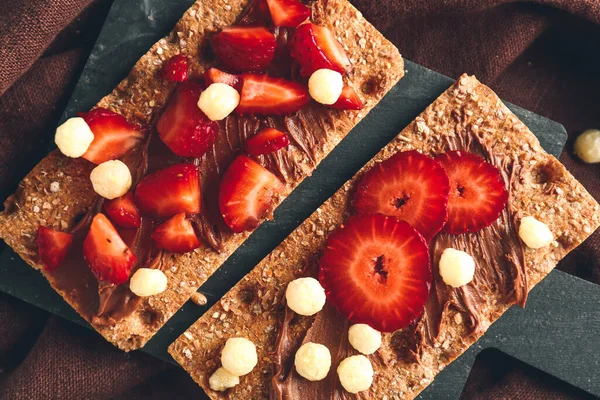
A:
[(555, 332)]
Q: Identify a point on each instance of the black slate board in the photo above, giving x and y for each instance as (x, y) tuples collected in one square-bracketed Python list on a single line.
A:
[(554, 332)]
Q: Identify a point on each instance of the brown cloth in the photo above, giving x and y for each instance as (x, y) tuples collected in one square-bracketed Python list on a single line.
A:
[(543, 55)]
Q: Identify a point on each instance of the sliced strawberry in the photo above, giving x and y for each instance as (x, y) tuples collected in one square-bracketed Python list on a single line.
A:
[(176, 69), (122, 211), (348, 100), (53, 247), (264, 95), (315, 47), (477, 192), (113, 135), (266, 141), (244, 48), (183, 127), (376, 270), (214, 75), (409, 186), (169, 191), (258, 14), (246, 194), (107, 254), (288, 13), (176, 235)]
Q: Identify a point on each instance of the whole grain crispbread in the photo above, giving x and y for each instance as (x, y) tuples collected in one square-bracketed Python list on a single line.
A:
[(140, 97), (468, 113)]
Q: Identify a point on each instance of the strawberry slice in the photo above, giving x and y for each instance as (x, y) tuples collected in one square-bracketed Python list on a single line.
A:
[(53, 247), (122, 211), (288, 13), (315, 47), (409, 186), (376, 270), (113, 135), (264, 95), (214, 75), (246, 194), (176, 69), (169, 191), (245, 48), (477, 192), (348, 100), (266, 141), (176, 235), (183, 127), (107, 254)]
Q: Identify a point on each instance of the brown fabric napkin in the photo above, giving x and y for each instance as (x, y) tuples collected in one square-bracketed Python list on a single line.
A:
[(542, 55)]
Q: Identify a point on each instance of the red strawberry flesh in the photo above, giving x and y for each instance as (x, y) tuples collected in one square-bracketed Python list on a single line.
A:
[(169, 191), (264, 95), (122, 211), (266, 141), (53, 247), (246, 194), (376, 270), (409, 186), (348, 100), (106, 253), (244, 48), (214, 75), (176, 69), (477, 192), (316, 47), (288, 13), (183, 127), (176, 235), (113, 135)]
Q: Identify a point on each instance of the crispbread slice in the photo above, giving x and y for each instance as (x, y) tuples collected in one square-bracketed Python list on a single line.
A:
[(470, 116), (377, 66)]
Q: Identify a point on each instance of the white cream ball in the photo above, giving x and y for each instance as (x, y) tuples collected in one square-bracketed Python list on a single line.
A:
[(587, 146), (218, 101), (305, 296), (456, 267), (325, 86), (73, 138), (111, 179), (364, 338), (222, 380), (239, 356), (313, 361), (355, 373), (148, 282), (534, 233)]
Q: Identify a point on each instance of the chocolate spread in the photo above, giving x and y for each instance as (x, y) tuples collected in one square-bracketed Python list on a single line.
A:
[(500, 270)]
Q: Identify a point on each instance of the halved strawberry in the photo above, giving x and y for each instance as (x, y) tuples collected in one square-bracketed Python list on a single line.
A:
[(176, 235), (315, 47), (122, 211), (246, 194), (477, 192), (288, 13), (214, 75), (376, 270), (169, 191), (348, 100), (113, 135), (176, 69), (244, 48), (266, 141), (107, 254), (183, 127), (409, 186), (53, 247), (264, 95)]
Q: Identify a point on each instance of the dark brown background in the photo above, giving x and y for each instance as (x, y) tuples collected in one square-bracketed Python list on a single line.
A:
[(542, 55)]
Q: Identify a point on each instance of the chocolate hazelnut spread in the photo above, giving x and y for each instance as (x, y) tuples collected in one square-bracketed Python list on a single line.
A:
[(500, 269)]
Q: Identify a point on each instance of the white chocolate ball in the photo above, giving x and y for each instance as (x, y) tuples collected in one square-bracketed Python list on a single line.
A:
[(239, 356), (534, 233), (222, 380), (355, 373), (587, 146), (218, 101), (313, 361), (456, 267), (111, 179), (74, 137), (305, 296), (364, 338), (148, 282), (325, 86)]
